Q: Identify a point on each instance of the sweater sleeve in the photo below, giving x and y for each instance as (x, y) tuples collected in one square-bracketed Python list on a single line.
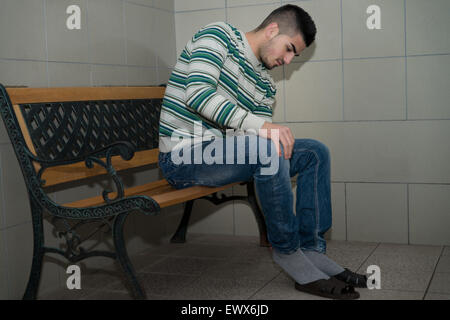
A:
[(208, 51)]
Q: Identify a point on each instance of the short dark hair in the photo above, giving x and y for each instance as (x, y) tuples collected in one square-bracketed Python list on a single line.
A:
[(292, 19)]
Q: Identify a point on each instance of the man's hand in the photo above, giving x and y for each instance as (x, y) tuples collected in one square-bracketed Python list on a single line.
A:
[(282, 134)]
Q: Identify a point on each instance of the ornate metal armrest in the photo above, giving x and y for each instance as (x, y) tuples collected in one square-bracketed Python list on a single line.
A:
[(123, 148)]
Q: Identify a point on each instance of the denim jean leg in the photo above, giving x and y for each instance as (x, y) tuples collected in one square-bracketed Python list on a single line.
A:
[(276, 199), (271, 176), (311, 160)]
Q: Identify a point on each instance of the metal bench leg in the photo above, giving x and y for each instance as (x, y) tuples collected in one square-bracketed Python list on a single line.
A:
[(38, 252), (263, 241), (180, 234), (123, 258)]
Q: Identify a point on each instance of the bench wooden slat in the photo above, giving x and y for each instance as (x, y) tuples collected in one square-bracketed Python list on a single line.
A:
[(77, 171), (64, 94), (161, 191)]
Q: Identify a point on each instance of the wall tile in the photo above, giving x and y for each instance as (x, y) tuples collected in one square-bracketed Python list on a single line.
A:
[(374, 89), (188, 23), (377, 212), (106, 31), (314, 91), (392, 151), (54, 266), (339, 220), (360, 42), (209, 218), (139, 76), (240, 3), (185, 5), (164, 75), (2, 201), (244, 218), (16, 206), (19, 241), (279, 106), (164, 43), (22, 30), (3, 268), (248, 18), (327, 17), (23, 73), (428, 83), (148, 3), (427, 26), (108, 75), (165, 5), (64, 44), (69, 74), (140, 28), (429, 220)]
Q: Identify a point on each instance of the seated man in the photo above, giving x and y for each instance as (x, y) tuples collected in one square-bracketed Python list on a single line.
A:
[(216, 128)]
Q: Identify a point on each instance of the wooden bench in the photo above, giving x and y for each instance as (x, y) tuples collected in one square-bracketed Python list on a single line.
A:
[(62, 135)]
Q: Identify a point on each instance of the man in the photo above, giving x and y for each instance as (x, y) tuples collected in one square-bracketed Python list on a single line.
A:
[(220, 82)]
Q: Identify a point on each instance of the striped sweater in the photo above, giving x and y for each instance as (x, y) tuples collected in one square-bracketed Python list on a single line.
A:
[(217, 84)]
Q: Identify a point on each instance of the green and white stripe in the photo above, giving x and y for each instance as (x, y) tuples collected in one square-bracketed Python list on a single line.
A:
[(217, 81)]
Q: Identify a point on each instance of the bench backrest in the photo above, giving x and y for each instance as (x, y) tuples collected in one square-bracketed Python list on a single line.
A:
[(62, 125)]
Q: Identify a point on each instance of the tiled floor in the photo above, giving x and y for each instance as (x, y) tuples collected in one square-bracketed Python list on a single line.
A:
[(227, 267)]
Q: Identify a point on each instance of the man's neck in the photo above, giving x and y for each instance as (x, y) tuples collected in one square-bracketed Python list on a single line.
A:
[(253, 41)]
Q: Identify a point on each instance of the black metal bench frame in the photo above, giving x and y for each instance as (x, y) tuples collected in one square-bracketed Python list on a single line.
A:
[(56, 145)]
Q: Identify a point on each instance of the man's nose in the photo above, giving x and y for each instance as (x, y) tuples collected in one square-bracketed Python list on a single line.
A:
[(288, 58)]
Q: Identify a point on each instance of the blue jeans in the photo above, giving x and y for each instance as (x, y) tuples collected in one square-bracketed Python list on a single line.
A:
[(286, 230)]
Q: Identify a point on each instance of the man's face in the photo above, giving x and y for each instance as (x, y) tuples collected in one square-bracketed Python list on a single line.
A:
[(281, 49)]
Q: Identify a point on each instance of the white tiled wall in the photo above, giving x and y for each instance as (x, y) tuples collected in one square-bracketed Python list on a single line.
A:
[(121, 42), (378, 99)]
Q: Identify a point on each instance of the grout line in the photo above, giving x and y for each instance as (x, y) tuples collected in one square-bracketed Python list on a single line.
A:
[(264, 285), (150, 6), (407, 213), (199, 10), (293, 62), (434, 272), (406, 62), (342, 61), (46, 42), (370, 254), (91, 78), (125, 39), (256, 4), (345, 211)]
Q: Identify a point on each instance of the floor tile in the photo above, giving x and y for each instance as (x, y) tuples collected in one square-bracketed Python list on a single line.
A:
[(207, 288), (350, 246), (66, 294), (443, 264), (183, 265), (157, 284), (401, 262), (385, 294), (440, 283), (283, 290), (404, 249), (201, 250), (233, 269), (229, 267), (403, 281), (437, 296), (446, 251), (108, 295), (349, 259)]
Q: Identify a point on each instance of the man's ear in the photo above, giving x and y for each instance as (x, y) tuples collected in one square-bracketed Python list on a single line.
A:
[(271, 30)]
